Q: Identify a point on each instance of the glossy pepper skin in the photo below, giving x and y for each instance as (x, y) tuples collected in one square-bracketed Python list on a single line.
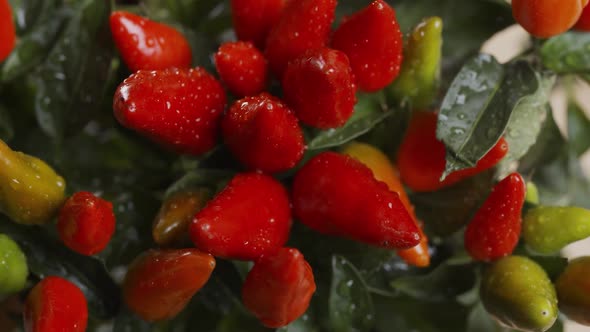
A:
[(86, 223), (279, 287), (13, 266), (547, 229), (30, 190), (305, 26), (419, 77), (55, 304), (335, 194), (7, 30), (547, 18), (171, 224), (250, 217), (421, 157), (160, 283), (517, 292), (373, 42), (253, 19), (242, 68), (573, 290), (583, 23), (178, 108), (319, 86), (263, 134), (495, 228), (148, 45), (384, 171)]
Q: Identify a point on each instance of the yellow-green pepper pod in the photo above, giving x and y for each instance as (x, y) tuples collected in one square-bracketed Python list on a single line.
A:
[(547, 229), (13, 266), (573, 290), (532, 193), (30, 190), (517, 292), (420, 73)]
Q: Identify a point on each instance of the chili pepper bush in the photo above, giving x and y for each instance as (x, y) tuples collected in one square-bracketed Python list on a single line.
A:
[(291, 166)]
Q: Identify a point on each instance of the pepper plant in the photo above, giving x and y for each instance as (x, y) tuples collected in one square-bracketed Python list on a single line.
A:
[(289, 166)]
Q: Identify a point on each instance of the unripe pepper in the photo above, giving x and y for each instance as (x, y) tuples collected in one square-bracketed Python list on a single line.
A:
[(55, 304), (279, 287), (176, 213), (7, 30), (573, 290), (160, 283), (86, 223), (419, 77), (548, 229), (385, 171), (517, 292), (30, 190), (532, 193), (13, 266)]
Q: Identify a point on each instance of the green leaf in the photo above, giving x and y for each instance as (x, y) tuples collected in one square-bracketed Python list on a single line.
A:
[(350, 304), (526, 121), (6, 128), (303, 324), (445, 282), (567, 53), (210, 178), (578, 128), (480, 321), (476, 111), (72, 81), (47, 256), (369, 111), (28, 13)]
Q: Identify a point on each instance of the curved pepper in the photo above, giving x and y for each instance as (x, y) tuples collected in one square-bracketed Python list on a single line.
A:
[(30, 190), (420, 74), (573, 290), (13, 266)]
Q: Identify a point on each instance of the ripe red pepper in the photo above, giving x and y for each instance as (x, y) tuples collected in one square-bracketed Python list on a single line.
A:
[(177, 108), (86, 223), (242, 68), (337, 195), (160, 283), (583, 23), (253, 19), (421, 157), (547, 18), (249, 218), (7, 30), (319, 86), (495, 228), (279, 287), (149, 45), (263, 133), (55, 304), (306, 25), (373, 42)]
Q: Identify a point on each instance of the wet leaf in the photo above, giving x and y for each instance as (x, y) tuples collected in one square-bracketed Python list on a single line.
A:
[(567, 53)]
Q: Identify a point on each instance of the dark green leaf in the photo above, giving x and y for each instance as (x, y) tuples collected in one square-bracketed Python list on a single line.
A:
[(187, 12), (388, 135), (303, 324), (72, 81), (28, 13), (446, 211), (475, 112), (526, 121), (445, 282), (6, 128), (480, 321), (47, 256), (368, 112), (567, 53), (210, 178), (350, 304), (578, 128)]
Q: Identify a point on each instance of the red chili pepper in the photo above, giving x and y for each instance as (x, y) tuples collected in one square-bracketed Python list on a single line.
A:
[(421, 157), (279, 287), (55, 304), (86, 223), (547, 18), (583, 23), (495, 229), (253, 19), (149, 45), (242, 68), (7, 30), (160, 283)]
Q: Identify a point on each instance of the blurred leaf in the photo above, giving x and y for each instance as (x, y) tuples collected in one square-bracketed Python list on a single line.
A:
[(46, 256), (72, 81), (303, 324), (578, 128), (350, 305), (477, 108), (6, 128), (480, 321), (209, 178), (445, 282), (388, 134), (567, 53), (526, 121), (28, 13), (369, 111)]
